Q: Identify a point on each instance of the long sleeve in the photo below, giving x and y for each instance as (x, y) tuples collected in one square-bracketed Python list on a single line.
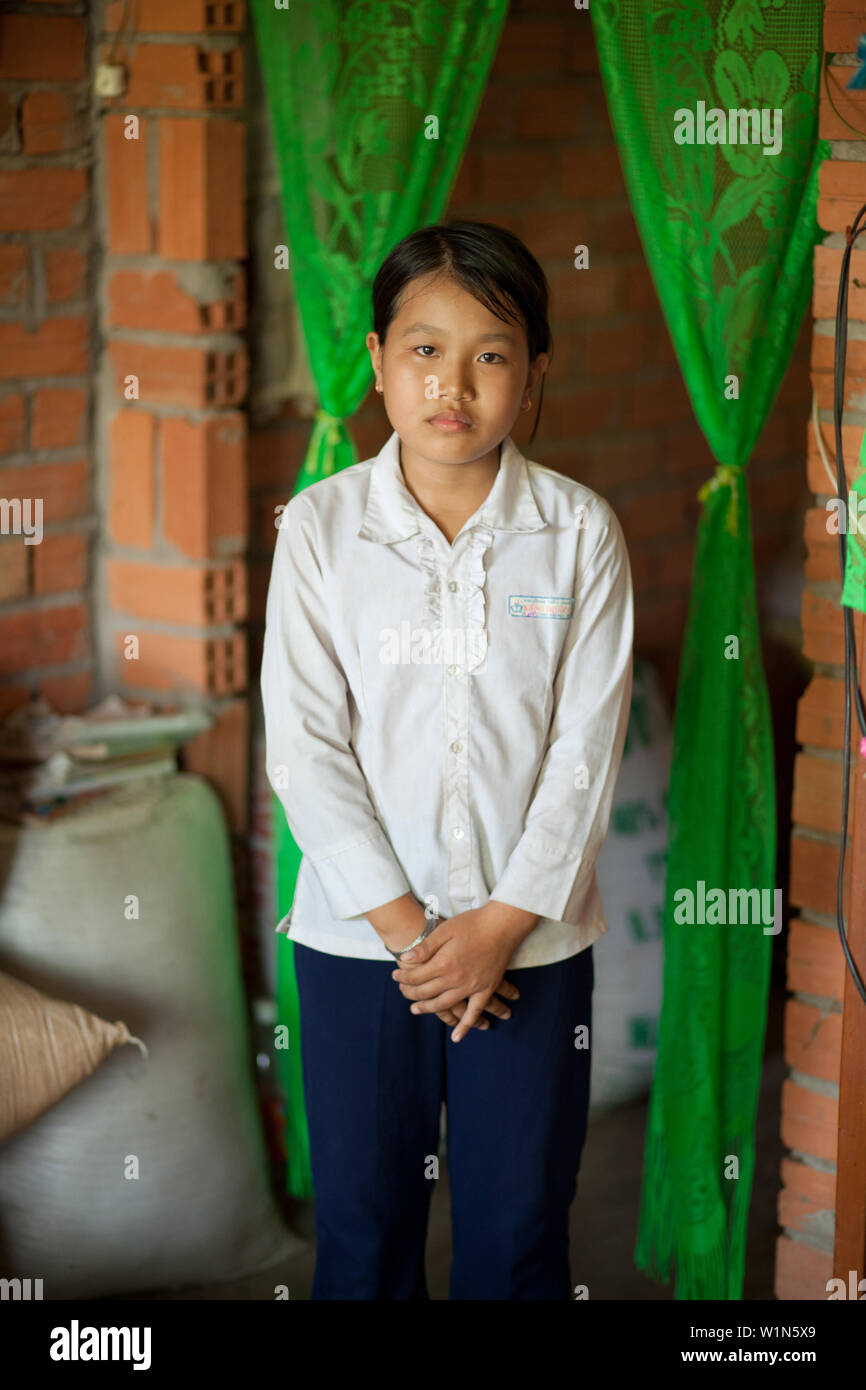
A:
[(549, 869), (310, 762)]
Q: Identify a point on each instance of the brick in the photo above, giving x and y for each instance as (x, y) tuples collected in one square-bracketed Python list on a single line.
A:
[(201, 190), (9, 138), (130, 227), (515, 174), (590, 172), (614, 348), (646, 404), (167, 17), (823, 631), (685, 453), (824, 351), (195, 377), (59, 346), (553, 111), (274, 456), (179, 594), (822, 560), (131, 516), (14, 568), (578, 293), (42, 200), (64, 488), (210, 666), (639, 292), (810, 1121), (60, 564), (495, 119), (221, 755), (584, 410), (42, 48), (820, 715), (815, 962), (807, 1199), (583, 56), (14, 280), (214, 300), (852, 438), (841, 186), (802, 1272), (11, 423), (65, 272), (185, 77), (839, 109), (813, 1040), (58, 417), (51, 122), (843, 25), (205, 500), (828, 268), (70, 693), (42, 637), (614, 231), (817, 795), (553, 234), (529, 48), (814, 865)]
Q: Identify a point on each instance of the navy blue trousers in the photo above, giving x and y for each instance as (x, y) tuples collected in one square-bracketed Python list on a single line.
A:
[(516, 1096)]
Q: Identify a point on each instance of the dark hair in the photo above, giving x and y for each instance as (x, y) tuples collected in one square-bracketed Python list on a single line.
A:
[(491, 263)]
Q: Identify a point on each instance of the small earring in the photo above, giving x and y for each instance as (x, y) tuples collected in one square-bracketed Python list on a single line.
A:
[(378, 386), (527, 404)]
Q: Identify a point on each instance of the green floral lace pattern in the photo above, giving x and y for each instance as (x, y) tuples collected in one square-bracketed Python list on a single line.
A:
[(728, 233)]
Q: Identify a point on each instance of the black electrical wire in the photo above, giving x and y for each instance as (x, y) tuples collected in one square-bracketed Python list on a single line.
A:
[(851, 677)]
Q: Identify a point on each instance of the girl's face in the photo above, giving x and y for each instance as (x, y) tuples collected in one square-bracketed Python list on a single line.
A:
[(445, 353)]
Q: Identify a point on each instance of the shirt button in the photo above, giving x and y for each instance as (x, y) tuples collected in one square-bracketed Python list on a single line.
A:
[(455, 747), (454, 670), (453, 586), (457, 832)]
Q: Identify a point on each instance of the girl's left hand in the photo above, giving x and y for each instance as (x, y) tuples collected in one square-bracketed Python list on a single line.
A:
[(463, 959)]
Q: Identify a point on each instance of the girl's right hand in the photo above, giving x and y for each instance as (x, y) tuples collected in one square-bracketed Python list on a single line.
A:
[(495, 1006)]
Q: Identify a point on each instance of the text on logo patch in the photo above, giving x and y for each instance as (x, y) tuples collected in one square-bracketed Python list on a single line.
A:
[(539, 606)]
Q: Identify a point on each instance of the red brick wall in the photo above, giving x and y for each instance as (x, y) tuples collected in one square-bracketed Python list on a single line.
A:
[(815, 963), (46, 356)]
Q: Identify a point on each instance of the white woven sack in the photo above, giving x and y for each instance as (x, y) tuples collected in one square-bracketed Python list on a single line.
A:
[(628, 959), (184, 1119)]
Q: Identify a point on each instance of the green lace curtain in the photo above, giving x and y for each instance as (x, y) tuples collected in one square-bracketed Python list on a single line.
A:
[(371, 103), (728, 233)]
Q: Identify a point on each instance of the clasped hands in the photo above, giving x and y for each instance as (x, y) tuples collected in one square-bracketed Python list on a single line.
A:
[(458, 971)]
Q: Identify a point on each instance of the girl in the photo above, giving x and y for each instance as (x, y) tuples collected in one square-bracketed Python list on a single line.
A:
[(446, 677)]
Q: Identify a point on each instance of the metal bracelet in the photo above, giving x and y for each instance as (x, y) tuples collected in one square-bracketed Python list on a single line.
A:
[(431, 926)]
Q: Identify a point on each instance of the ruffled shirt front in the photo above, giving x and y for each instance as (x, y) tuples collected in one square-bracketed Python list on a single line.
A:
[(447, 719)]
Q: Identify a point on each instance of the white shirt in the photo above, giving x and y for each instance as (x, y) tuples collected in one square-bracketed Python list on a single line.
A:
[(447, 720)]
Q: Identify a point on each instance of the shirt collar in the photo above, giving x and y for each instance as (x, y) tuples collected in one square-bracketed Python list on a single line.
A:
[(392, 514)]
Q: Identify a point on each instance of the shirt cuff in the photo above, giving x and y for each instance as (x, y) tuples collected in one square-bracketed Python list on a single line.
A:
[(361, 876), (544, 877)]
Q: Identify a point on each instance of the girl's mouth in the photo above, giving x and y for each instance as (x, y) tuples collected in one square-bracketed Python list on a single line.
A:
[(449, 424)]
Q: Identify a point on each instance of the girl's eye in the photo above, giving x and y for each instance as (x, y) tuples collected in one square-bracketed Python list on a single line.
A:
[(422, 346), (493, 354)]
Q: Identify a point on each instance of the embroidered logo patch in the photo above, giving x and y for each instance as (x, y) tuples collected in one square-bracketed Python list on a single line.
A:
[(539, 606)]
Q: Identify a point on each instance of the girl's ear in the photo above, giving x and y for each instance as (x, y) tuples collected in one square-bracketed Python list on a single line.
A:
[(537, 369), (372, 341)]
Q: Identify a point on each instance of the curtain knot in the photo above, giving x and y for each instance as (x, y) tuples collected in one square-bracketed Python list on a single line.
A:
[(332, 426), (723, 476)]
